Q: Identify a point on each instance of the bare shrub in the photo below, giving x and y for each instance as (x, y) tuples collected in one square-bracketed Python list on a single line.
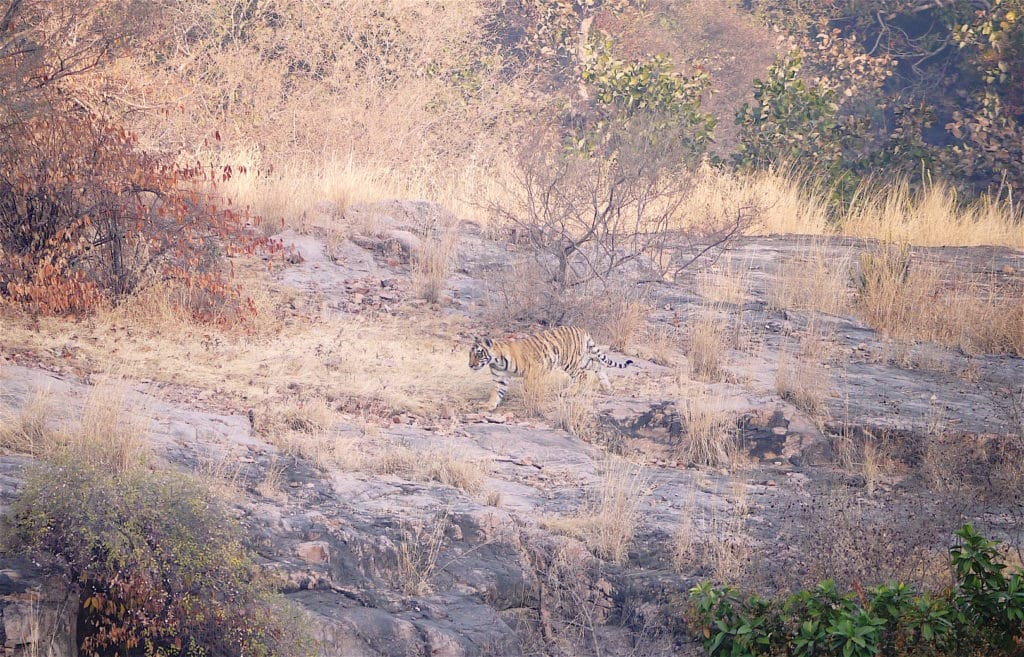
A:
[(586, 215), (849, 538), (102, 215), (607, 522), (417, 554)]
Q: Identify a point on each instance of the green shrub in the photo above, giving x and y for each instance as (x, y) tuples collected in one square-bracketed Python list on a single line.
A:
[(982, 614), (161, 565)]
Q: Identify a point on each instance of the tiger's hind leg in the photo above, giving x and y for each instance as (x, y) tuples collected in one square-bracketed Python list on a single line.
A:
[(594, 365)]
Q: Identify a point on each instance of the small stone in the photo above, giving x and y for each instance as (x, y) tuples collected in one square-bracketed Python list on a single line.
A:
[(314, 552)]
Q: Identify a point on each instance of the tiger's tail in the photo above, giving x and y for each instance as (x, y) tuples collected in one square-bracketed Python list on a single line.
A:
[(605, 358)]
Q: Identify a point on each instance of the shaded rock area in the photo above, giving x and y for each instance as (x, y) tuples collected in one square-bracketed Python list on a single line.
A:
[(38, 609), (383, 563)]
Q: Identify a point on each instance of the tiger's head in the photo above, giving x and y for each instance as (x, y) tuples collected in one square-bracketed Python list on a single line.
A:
[(480, 353)]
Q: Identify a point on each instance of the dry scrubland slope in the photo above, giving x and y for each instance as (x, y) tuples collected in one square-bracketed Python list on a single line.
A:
[(318, 108)]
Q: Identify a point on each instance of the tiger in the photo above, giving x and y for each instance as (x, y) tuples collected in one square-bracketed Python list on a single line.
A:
[(568, 347)]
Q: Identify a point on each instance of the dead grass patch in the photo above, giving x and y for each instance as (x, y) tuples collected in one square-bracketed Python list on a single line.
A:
[(385, 457), (724, 282), (933, 216), (387, 364), (816, 280), (574, 412), (660, 344), (110, 431), (418, 552), (433, 263), (621, 322), (27, 430), (779, 200), (709, 335), (607, 522), (804, 374), (710, 437), (909, 300)]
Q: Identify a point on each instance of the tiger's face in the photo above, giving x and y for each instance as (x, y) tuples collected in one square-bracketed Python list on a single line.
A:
[(479, 353)]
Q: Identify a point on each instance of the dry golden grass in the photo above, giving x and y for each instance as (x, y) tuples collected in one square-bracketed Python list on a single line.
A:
[(621, 320), (660, 344), (717, 545), (931, 217), (803, 378), (725, 282), (110, 431), (607, 522), (789, 202), (908, 300), (574, 412), (27, 430), (434, 263), (687, 536), (709, 338), (386, 365), (442, 464), (778, 201), (816, 280), (446, 467), (710, 434), (417, 554)]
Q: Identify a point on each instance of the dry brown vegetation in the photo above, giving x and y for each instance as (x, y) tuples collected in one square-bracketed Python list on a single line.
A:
[(607, 522), (368, 101)]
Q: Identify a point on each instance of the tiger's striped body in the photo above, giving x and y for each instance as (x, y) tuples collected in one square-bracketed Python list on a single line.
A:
[(568, 347)]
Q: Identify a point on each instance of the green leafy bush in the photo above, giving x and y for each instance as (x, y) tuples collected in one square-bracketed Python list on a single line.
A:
[(981, 614), (648, 94), (161, 565)]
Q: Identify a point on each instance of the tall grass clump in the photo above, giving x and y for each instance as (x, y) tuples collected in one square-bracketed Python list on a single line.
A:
[(608, 520)]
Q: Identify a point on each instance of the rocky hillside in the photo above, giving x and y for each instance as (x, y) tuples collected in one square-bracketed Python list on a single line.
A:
[(755, 441)]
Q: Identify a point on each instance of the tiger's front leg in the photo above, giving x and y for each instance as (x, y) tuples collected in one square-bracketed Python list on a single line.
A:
[(499, 392)]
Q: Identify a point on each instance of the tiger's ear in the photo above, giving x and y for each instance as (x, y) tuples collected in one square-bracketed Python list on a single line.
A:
[(488, 343)]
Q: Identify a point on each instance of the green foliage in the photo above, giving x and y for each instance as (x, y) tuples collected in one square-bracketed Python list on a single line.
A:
[(960, 63), (789, 121), (982, 614), (648, 93), (161, 564)]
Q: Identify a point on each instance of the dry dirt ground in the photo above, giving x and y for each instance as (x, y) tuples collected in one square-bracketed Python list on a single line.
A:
[(405, 521)]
